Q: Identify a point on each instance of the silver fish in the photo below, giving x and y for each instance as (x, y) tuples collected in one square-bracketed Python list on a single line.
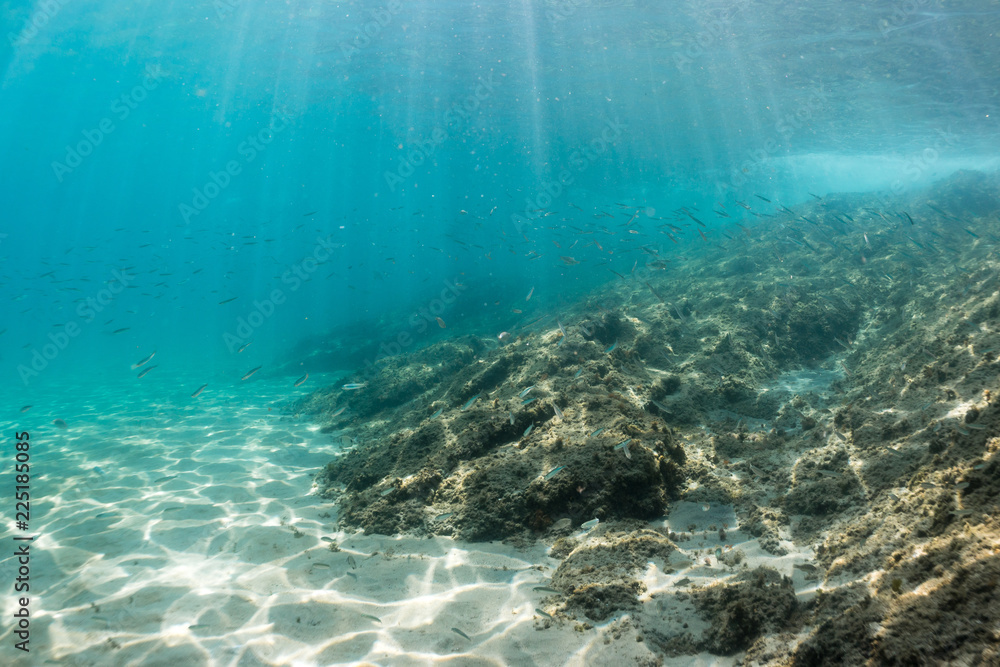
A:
[(144, 361), (552, 473)]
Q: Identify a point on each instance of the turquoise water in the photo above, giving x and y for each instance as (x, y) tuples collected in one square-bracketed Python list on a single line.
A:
[(209, 150), (207, 202)]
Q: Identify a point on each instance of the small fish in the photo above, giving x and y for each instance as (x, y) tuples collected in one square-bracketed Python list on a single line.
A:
[(960, 486), (58, 423), (243, 347), (145, 371), (441, 323), (683, 582), (198, 391), (528, 298), (354, 385), (623, 443), (322, 566), (442, 517), (928, 485), (164, 479), (250, 373), (893, 496), (561, 328), (470, 402), (542, 613), (25, 408), (559, 413), (198, 626), (98, 469), (104, 515), (327, 539), (961, 512), (527, 430), (172, 509), (805, 567), (528, 401), (578, 373), (768, 200), (352, 575), (545, 589), (460, 633), (353, 563), (510, 415), (118, 331), (437, 413), (552, 473), (587, 525), (706, 507), (144, 361), (611, 348), (524, 392), (301, 380), (828, 473), (374, 618), (597, 432), (228, 300), (386, 492), (976, 427)]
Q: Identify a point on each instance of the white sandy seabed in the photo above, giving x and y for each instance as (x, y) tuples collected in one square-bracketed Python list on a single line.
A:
[(184, 532)]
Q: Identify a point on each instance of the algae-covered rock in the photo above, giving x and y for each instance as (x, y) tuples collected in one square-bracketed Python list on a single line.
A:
[(755, 603), (602, 575)]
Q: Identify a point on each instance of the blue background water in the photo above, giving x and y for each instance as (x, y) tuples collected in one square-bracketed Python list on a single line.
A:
[(420, 140)]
